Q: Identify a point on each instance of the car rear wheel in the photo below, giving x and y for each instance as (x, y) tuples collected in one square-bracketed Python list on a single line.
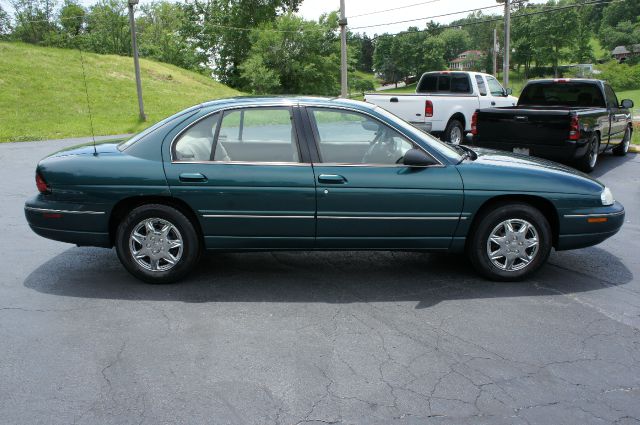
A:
[(623, 147), (454, 132), (510, 242), (588, 162), (157, 244)]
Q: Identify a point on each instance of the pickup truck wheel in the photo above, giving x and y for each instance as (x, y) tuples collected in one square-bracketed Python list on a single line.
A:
[(157, 244), (454, 132), (510, 242), (623, 147), (588, 162)]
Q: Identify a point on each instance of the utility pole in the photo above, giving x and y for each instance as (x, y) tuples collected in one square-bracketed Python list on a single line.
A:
[(343, 52), (136, 62), (507, 41), (495, 52)]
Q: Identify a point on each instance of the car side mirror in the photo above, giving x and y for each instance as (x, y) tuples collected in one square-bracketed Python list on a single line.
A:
[(508, 91), (417, 158), (627, 103)]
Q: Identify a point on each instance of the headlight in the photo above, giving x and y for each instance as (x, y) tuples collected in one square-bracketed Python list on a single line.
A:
[(607, 197)]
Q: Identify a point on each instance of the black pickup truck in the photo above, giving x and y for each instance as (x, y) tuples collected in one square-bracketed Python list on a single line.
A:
[(569, 120)]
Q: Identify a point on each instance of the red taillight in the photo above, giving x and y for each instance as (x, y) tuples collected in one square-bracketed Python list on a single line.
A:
[(428, 108), (474, 123), (574, 128), (42, 185)]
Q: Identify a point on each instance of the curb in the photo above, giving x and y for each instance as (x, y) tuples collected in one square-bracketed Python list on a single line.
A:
[(634, 148)]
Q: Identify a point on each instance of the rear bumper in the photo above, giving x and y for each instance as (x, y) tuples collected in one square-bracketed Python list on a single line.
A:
[(567, 150), (583, 228), (72, 223)]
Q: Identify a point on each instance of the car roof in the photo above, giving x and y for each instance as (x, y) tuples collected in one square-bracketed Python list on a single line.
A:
[(288, 100)]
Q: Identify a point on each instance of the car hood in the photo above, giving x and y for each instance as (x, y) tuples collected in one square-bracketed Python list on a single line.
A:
[(500, 170)]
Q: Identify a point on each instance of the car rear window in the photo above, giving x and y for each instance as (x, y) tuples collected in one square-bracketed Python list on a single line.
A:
[(572, 94), (454, 82)]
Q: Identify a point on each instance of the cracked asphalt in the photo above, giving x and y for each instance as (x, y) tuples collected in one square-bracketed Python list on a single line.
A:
[(316, 338)]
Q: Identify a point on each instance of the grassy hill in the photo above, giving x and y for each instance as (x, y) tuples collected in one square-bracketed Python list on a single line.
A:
[(42, 93)]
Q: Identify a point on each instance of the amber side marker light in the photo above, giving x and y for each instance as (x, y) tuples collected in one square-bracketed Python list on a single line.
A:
[(597, 220)]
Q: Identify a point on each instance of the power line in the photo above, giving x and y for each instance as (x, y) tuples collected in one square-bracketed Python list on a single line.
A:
[(500, 19), (393, 8), (434, 16)]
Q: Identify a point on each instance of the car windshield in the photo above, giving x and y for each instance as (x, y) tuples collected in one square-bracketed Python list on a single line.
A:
[(127, 143), (442, 148)]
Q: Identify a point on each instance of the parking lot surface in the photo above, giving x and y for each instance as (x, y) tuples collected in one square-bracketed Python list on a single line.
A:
[(293, 338)]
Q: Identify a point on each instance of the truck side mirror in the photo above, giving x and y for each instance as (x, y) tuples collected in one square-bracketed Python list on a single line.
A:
[(627, 103), (508, 91)]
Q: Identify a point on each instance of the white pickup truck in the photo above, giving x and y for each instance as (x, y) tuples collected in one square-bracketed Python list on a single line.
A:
[(444, 102)]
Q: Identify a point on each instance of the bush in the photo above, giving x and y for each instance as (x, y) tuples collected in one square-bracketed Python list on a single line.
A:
[(621, 76)]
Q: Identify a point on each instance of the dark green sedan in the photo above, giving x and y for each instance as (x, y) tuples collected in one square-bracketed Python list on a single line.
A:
[(248, 174)]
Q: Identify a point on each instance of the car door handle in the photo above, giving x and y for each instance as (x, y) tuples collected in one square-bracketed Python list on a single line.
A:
[(331, 179), (393, 99), (493, 103), (193, 178)]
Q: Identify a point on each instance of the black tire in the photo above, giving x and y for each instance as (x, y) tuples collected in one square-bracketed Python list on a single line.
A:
[(623, 147), (182, 229), (588, 162), (454, 132), (478, 244)]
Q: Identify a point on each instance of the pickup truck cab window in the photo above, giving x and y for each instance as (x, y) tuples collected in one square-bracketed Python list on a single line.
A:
[(612, 99), (495, 87), (346, 137), (482, 88)]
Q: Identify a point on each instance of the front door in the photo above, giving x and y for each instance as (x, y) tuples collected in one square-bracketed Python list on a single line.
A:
[(366, 199), (243, 173), (617, 117)]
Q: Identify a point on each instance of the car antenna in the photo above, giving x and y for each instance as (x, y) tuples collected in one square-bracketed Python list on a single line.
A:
[(86, 90)]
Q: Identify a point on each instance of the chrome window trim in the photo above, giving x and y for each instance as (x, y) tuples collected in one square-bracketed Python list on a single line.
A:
[(440, 164), (47, 210), (222, 110), (613, 214), (293, 164)]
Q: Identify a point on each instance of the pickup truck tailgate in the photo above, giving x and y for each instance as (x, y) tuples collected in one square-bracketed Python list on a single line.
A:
[(409, 107), (527, 126)]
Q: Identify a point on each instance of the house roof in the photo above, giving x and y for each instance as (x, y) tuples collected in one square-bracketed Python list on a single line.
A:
[(621, 50)]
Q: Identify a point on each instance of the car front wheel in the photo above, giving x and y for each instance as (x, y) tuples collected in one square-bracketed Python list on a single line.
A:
[(510, 242), (157, 244)]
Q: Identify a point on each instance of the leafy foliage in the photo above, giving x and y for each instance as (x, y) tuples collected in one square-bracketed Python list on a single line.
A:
[(294, 56)]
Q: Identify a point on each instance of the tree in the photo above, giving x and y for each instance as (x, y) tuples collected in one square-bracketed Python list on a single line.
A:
[(387, 58), (455, 42), (108, 28), (5, 23), (33, 20), (434, 49), (620, 24), (72, 18), (220, 35), (551, 35), (294, 56), (411, 50), (365, 63), (160, 34)]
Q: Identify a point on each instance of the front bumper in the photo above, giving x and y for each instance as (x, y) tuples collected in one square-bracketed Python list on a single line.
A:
[(583, 228), (78, 224)]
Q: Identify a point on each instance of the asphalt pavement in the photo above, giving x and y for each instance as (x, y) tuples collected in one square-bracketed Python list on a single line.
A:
[(315, 338)]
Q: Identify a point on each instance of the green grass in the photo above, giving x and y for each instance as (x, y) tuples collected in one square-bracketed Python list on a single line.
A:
[(635, 96), (42, 93)]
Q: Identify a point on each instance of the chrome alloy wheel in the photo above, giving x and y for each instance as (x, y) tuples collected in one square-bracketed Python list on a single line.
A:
[(156, 244), (455, 136), (512, 244)]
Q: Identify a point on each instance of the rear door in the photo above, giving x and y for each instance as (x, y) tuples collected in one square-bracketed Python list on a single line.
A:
[(366, 199), (242, 170)]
